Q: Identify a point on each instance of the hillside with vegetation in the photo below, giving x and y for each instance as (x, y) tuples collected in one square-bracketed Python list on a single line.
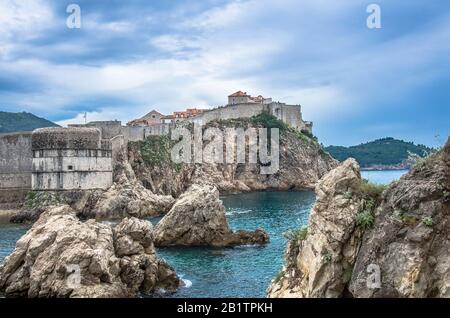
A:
[(388, 152), (15, 122)]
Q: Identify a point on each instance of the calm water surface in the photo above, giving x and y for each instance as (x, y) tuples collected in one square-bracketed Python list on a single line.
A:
[(242, 271)]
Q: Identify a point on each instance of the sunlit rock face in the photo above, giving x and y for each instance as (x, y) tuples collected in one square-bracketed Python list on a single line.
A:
[(317, 263), (60, 256), (404, 253)]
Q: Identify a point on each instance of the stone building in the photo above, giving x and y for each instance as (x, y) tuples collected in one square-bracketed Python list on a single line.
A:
[(70, 159), (243, 98), (152, 118), (243, 105)]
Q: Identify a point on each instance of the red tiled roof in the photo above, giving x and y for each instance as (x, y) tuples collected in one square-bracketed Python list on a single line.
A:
[(238, 94)]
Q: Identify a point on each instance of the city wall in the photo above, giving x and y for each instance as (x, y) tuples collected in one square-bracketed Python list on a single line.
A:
[(15, 167)]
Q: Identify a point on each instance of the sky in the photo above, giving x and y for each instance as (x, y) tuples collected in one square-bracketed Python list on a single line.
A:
[(128, 57)]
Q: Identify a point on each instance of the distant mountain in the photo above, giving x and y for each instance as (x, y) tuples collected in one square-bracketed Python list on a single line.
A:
[(385, 153), (14, 122)]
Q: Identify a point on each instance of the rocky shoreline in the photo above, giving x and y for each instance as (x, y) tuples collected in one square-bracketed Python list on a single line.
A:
[(364, 243)]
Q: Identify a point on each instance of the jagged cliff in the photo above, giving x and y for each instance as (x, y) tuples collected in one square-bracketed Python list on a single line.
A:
[(362, 244), (302, 163)]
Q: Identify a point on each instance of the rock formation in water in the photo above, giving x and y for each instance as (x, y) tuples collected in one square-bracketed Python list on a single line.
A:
[(302, 163), (396, 245), (60, 256), (198, 219)]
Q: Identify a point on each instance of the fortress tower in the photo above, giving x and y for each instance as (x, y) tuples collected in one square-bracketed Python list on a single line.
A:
[(70, 159)]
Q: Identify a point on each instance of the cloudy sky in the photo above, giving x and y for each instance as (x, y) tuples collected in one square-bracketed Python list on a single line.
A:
[(130, 57)]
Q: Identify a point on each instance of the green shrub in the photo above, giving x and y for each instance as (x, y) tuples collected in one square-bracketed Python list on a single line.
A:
[(308, 134), (267, 120), (347, 275), (36, 199), (371, 190), (419, 162), (365, 219), (428, 221), (296, 235), (156, 151), (327, 258)]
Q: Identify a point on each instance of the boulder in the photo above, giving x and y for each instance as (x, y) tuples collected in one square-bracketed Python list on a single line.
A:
[(126, 200), (60, 256), (198, 219)]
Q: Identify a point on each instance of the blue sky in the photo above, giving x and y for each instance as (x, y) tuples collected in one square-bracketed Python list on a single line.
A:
[(130, 57)]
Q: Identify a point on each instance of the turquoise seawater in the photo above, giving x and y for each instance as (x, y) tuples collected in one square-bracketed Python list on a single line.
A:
[(9, 234), (242, 271)]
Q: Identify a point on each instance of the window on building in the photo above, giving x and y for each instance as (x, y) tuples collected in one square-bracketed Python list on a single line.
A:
[(70, 167)]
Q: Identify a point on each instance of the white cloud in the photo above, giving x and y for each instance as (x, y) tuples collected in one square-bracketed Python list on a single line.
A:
[(24, 20), (298, 52)]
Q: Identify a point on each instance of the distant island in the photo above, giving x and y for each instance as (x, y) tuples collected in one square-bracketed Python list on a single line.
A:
[(15, 122), (381, 154)]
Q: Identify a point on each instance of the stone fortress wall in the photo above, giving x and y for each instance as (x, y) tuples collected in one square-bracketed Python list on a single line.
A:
[(15, 167), (289, 114), (70, 159)]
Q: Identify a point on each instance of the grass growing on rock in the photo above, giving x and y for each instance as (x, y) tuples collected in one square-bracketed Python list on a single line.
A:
[(35, 199), (371, 194), (267, 120), (428, 221), (296, 235), (156, 151), (366, 218), (371, 190)]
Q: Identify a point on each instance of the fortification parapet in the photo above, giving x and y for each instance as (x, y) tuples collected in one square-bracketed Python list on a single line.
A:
[(70, 159)]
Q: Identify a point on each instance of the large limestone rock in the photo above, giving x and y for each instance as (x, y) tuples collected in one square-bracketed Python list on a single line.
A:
[(404, 254), (60, 256), (409, 245), (126, 200), (316, 266), (198, 219), (127, 196)]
